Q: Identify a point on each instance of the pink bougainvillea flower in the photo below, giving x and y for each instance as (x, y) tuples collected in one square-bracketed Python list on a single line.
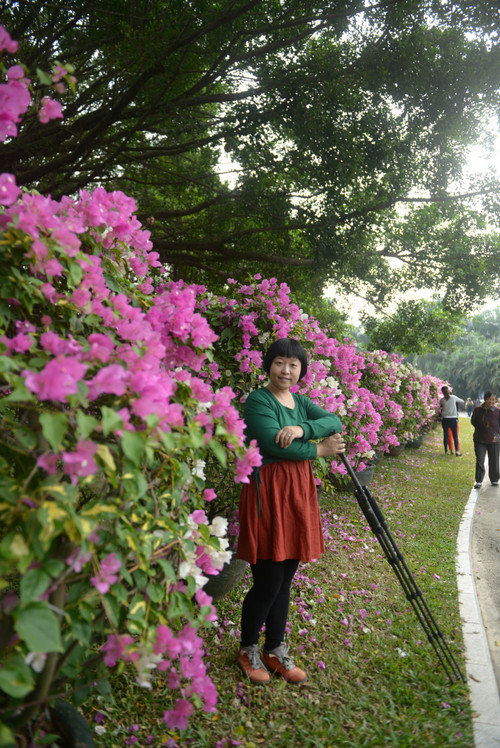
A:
[(177, 718), (107, 573), (80, 462), (14, 101), (16, 73), (58, 379), (9, 191), (50, 110), (147, 287), (114, 647), (6, 42), (246, 464), (101, 347), (48, 463), (52, 267), (21, 342), (58, 73), (199, 517), (203, 599), (166, 642), (57, 346), (110, 379), (78, 558)]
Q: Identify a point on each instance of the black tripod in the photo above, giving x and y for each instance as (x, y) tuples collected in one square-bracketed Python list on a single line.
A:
[(378, 525)]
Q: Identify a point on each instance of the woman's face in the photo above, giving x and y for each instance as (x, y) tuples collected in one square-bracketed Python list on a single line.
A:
[(284, 372), (490, 401)]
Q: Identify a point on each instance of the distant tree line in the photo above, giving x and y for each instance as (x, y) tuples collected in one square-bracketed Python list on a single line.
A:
[(472, 365)]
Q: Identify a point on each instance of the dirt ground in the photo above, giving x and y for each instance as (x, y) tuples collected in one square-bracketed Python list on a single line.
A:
[(485, 557)]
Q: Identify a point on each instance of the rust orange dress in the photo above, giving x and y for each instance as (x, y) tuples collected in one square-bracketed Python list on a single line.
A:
[(279, 511)]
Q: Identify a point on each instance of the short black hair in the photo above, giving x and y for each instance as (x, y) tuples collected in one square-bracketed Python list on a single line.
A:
[(487, 395), (288, 348)]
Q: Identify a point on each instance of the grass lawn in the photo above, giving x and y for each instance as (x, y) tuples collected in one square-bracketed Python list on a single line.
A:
[(374, 679)]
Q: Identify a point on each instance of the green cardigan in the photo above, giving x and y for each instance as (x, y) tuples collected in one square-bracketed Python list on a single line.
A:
[(264, 416)]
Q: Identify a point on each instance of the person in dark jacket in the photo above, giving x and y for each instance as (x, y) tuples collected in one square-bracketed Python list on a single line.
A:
[(486, 422)]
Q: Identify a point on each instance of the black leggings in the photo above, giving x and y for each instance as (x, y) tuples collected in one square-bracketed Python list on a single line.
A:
[(267, 602)]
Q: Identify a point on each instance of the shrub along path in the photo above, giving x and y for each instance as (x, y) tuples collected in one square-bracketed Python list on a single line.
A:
[(374, 680)]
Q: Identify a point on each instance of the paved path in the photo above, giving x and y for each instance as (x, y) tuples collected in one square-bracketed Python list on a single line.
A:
[(478, 574)]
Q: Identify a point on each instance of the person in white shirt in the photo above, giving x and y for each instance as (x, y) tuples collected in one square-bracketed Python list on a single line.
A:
[(449, 418)]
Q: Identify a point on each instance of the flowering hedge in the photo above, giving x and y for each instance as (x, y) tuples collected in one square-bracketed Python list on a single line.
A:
[(119, 392), (104, 421), (380, 400)]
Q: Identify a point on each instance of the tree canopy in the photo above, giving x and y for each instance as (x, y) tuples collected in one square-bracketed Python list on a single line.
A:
[(472, 361), (344, 125)]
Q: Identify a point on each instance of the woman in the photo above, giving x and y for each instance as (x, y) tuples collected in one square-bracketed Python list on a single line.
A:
[(280, 523), (486, 422), (449, 419)]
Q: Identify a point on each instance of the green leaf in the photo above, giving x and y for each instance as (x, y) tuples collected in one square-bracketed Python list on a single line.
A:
[(218, 451), (7, 738), (112, 609), (54, 566), (7, 363), (19, 394), (120, 592), (168, 569), (133, 446), (111, 421), (86, 424), (156, 591), (26, 437), (54, 427), (76, 273), (179, 606), (137, 608), (44, 79), (38, 626), (16, 679), (140, 579), (82, 631), (33, 584)]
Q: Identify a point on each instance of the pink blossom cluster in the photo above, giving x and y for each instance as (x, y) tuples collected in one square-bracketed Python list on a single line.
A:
[(180, 656), (406, 397), (100, 343), (380, 400), (15, 96), (141, 357)]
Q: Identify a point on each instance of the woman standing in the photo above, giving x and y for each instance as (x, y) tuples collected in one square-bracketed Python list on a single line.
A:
[(486, 422), (280, 523), (449, 419)]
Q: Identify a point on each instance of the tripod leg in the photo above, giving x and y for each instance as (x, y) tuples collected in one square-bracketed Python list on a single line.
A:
[(379, 527)]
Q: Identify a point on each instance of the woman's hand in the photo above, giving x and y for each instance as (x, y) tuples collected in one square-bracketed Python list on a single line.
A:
[(332, 445), (285, 436)]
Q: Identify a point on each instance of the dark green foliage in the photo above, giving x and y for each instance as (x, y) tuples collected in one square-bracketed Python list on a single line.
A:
[(417, 327), (473, 364), (346, 126)]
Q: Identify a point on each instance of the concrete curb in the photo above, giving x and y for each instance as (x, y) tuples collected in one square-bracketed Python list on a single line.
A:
[(483, 688)]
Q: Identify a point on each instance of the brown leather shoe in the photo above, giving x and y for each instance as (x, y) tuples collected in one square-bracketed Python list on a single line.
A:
[(252, 666), (278, 661)]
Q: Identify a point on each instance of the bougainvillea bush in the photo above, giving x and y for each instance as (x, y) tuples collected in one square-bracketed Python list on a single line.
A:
[(407, 400), (120, 400), (104, 422), (380, 400)]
